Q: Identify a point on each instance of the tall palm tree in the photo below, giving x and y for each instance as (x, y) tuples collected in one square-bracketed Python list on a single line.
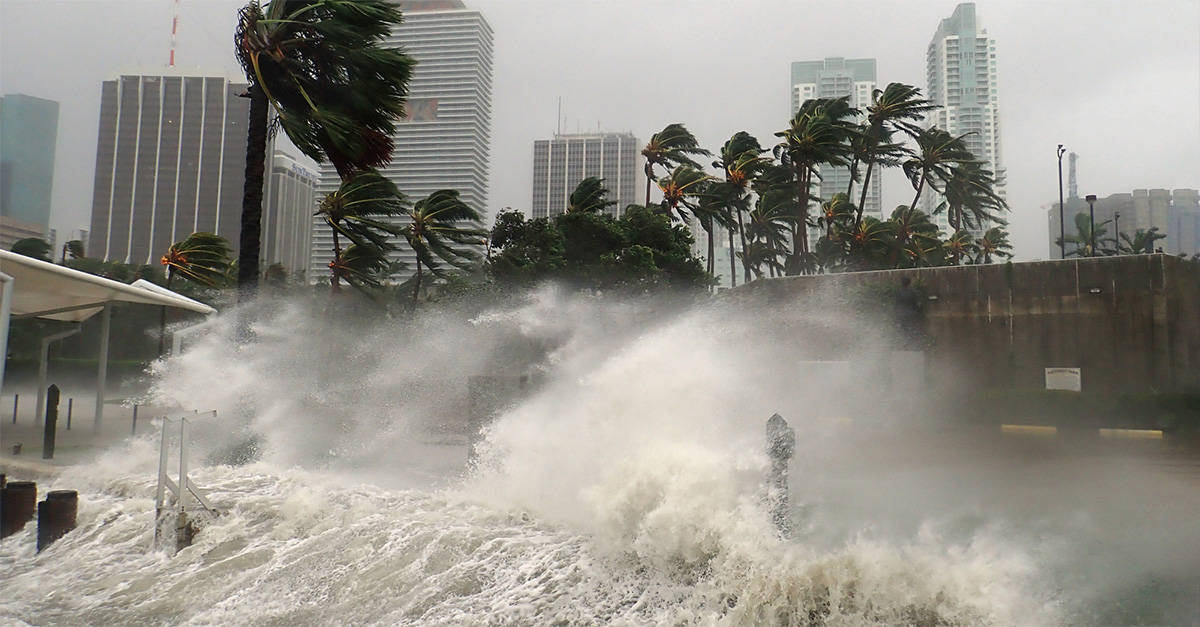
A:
[(442, 228), (360, 265), (671, 147), (1083, 238), (914, 238), (821, 132), (960, 245), (712, 209), (336, 90), (897, 107), (993, 243), (359, 210), (768, 228), (937, 152), (868, 244), (741, 159), (202, 258), (72, 250), (589, 196)]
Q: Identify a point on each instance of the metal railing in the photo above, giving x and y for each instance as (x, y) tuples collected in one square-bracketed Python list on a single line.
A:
[(184, 490)]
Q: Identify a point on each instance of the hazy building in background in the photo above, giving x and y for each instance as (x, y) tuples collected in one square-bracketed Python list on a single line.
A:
[(1176, 214), (28, 132), (445, 141), (835, 77), (961, 76), (170, 161), (287, 218), (559, 165)]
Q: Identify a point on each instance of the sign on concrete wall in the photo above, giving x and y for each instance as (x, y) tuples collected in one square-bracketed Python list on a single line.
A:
[(1064, 379)]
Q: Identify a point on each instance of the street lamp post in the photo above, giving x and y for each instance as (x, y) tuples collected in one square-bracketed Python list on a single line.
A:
[(1117, 230), (1062, 228), (1091, 201)]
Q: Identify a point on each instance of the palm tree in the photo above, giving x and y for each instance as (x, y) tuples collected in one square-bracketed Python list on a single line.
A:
[(361, 265), (898, 107), (1142, 241), (868, 244), (671, 147), (1083, 238), (35, 247), (336, 91), (202, 258), (589, 197), (821, 132), (681, 190), (971, 199), (741, 160), (435, 225), (768, 228), (937, 152), (359, 210), (993, 242), (960, 246), (72, 250), (915, 238)]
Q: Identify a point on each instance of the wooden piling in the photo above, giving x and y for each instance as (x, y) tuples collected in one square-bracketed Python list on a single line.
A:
[(56, 516), (51, 423), (18, 501)]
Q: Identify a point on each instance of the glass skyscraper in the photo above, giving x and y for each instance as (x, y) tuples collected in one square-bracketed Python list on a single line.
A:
[(28, 132)]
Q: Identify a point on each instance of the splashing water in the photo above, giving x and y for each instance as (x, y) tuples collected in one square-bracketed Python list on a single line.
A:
[(627, 489)]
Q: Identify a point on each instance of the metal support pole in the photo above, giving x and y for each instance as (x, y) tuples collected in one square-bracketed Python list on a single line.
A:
[(1092, 221), (16, 403), (102, 369), (133, 429), (183, 478), (6, 291), (70, 406), (43, 361), (1062, 224), (1117, 230)]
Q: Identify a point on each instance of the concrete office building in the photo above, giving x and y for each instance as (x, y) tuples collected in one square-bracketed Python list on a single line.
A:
[(1175, 214), (444, 143), (960, 67), (287, 220), (559, 165), (170, 161), (28, 132), (835, 77)]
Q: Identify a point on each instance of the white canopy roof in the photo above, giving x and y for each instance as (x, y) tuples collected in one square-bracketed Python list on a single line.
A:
[(46, 290)]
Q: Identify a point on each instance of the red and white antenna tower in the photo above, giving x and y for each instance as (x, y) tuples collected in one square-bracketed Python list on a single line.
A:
[(174, 31)]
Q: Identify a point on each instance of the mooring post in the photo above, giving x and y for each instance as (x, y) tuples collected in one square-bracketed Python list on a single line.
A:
[(51, 422), (781, 443), (16, 401), (70, 406), (56, 516), (18, 501), (133, 429)]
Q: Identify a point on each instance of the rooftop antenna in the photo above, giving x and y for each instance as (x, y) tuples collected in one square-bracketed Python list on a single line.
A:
[(174, 31), (558, 122)]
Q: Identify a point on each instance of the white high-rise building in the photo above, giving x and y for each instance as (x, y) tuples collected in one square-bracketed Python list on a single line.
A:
[(835, 77), (287, 224), (559, 165), (961, 73), (444, 142)]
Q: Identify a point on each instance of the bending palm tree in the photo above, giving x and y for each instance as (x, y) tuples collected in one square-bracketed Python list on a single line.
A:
[(937, 151), (1142, 241), (819, 133), (681, 190), (589, 197), (336, 91), (671, 147), (202, 258), (971, 199), (436, 224), (741, 159), (898, 107), (993, 242), (357, 210), (1084, 237)]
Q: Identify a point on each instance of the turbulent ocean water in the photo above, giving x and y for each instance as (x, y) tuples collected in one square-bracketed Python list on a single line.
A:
[(627, 489)]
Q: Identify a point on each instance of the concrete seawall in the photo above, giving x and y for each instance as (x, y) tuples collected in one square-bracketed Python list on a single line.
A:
[(1131, 323)]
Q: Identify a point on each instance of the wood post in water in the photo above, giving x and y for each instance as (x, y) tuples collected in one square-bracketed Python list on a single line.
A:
[(18, 500), (51, 423), (56, 516)]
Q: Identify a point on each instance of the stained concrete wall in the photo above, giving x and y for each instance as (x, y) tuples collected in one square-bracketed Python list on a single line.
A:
[(1132, 323)]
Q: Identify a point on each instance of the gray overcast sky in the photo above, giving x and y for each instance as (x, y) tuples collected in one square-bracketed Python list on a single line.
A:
[(1116, 81)]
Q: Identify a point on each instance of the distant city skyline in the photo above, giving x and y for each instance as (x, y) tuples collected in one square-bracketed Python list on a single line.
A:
[(28, 132), (1061, 82)]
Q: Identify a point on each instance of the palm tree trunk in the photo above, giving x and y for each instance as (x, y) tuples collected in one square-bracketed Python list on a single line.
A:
[(732, 263), (742, 235), (335, 284), (649, 177), (252, 194), (862, 199), (853, 171), (417, 287), (711, 262), (920, 185), (162, 316)]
